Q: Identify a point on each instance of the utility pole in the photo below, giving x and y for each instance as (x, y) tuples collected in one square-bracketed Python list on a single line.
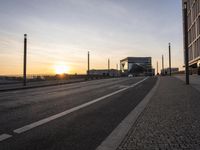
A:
[(117, 66), (170, 69), (162, 65), (25, 53), (185, 26), (88, 71)]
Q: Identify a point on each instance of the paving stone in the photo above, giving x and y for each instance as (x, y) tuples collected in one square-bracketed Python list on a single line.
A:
[(170, 121)]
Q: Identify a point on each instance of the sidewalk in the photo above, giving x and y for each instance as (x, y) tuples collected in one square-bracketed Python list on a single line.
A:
[(171, 120), (194, 80)]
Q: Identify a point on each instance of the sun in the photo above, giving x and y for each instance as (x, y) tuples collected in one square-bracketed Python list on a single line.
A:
[(61, 69)]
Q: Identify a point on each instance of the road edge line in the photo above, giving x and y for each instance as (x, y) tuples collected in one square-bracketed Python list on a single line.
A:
[(113, 141)]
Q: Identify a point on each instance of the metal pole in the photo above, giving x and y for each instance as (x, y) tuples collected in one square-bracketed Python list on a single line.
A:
[(117, 66), (88, 71), (25, 53), (170, 69), (185, 24), (108, 66), (157, 67), (162, 65)]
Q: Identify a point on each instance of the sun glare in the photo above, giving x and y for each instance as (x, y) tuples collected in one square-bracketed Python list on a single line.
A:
[(61, 69)]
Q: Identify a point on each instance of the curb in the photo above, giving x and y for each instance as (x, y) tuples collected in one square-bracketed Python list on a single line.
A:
[(113, 141), (38, 86)]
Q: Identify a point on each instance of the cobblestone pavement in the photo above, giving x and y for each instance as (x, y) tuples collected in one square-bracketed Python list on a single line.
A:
[(171, 120)]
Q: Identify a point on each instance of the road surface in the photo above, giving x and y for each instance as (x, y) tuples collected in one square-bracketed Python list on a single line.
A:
[(73, 116)]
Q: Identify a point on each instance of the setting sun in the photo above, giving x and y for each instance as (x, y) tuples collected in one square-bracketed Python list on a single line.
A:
[(61, 69)]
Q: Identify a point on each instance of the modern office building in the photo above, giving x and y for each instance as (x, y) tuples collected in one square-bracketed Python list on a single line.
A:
[(193, 32), (137, 66)]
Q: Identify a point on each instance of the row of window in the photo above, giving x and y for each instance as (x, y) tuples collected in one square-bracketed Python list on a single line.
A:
[(190, 2), (194, 28), (192, 33), (194, 50), (194, 6)]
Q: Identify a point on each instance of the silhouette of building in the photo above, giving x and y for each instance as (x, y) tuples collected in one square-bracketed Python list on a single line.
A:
[(193, 32), (137, 66)]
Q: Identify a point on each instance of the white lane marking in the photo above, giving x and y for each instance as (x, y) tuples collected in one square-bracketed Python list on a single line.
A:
[(4, 136), (48, 119)]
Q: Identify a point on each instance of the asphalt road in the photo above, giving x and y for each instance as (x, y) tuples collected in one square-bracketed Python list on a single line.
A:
[(75, 116)]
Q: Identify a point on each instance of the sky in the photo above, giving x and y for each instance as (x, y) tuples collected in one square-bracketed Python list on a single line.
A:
[(61, 32)]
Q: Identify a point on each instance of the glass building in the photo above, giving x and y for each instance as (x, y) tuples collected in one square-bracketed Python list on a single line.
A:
[(137, 66), (193, 17)]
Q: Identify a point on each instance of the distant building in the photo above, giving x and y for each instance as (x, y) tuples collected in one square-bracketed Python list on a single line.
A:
[(166, 71), (137, 66), (104, 72), (193, 32)]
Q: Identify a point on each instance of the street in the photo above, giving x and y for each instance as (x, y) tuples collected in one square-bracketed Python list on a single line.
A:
[(73, 116)]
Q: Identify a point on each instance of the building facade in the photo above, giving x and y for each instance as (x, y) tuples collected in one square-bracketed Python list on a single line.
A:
[(136, 66), (193, 17)]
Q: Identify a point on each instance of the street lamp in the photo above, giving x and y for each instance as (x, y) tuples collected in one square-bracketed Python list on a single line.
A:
[(185, 26), (157, 68), (108, 66), (162, 65), (25, 53), (170, 69), (88, 70)]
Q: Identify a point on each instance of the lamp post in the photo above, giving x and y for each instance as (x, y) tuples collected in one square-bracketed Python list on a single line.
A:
[(88, 70), (25, 60), (162, 65), (157, 67), (185, 26), (170, 69), (108, 66)]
